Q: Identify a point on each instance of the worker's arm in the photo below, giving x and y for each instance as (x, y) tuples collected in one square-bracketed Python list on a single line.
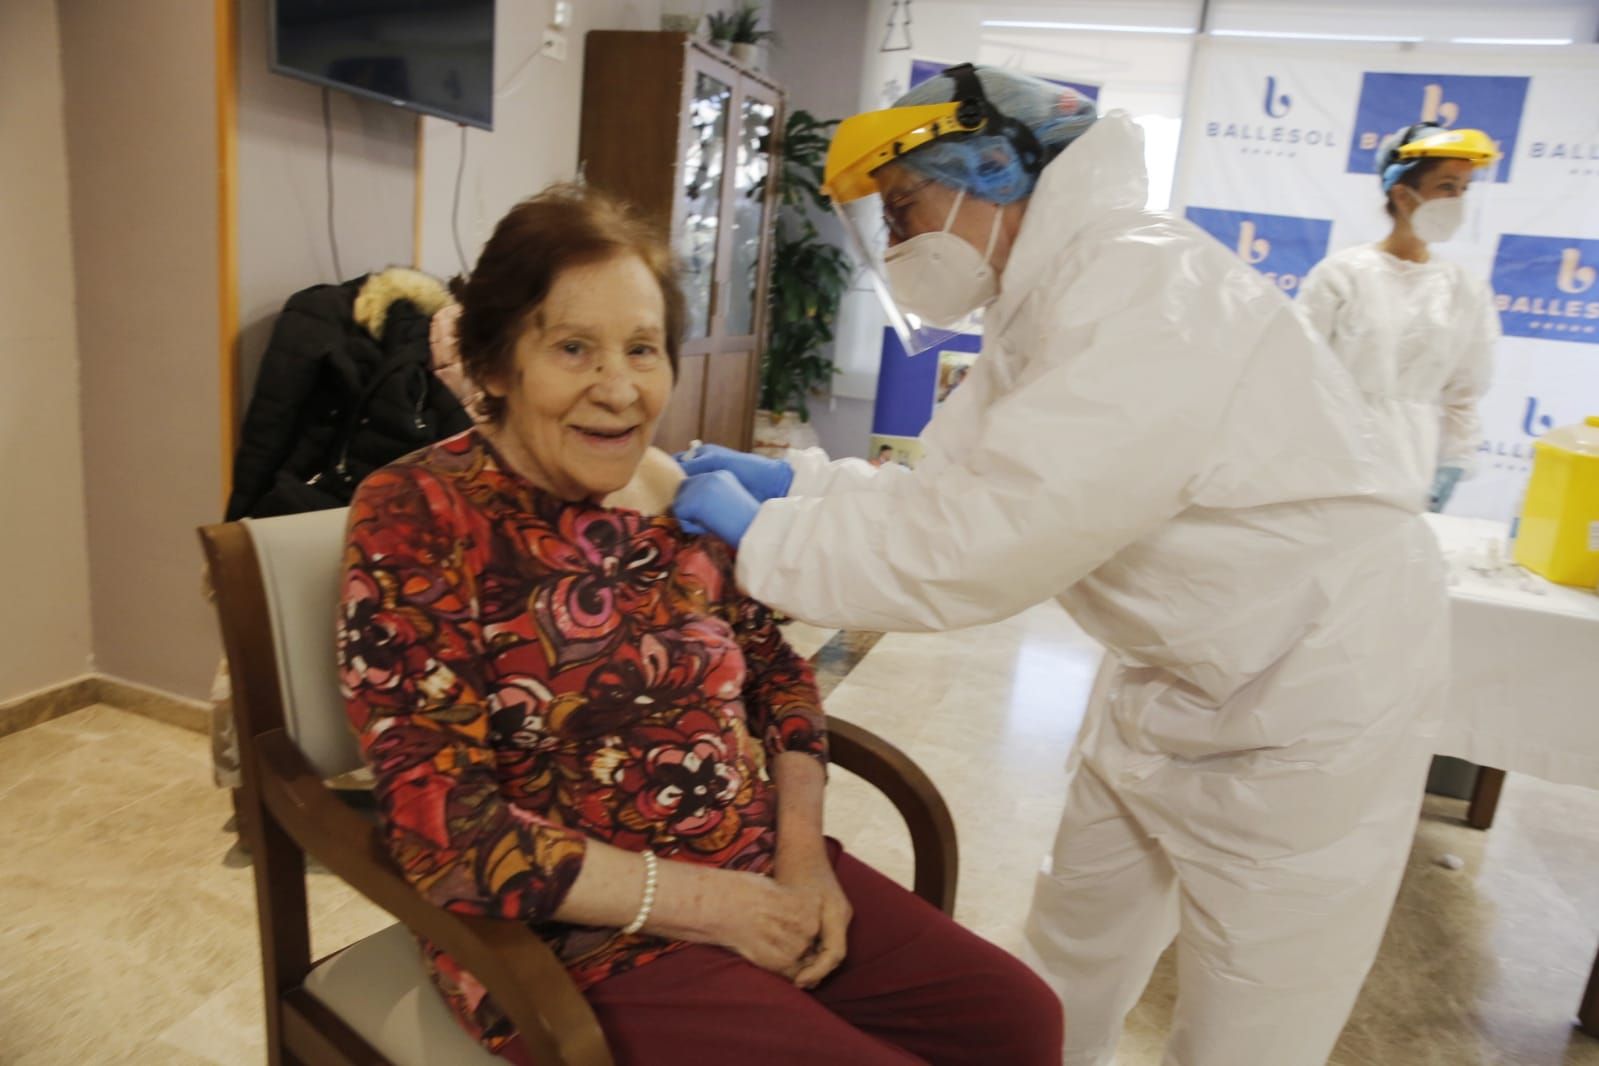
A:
[(1096, 445), (1461, 429)]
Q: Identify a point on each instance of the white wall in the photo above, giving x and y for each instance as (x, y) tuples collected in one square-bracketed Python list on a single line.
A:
[(44, 615), (283, 243), (537, 106), (819, 61)]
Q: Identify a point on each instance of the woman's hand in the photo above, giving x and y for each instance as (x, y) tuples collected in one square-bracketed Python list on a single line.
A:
[(773, 925), (805, 867)]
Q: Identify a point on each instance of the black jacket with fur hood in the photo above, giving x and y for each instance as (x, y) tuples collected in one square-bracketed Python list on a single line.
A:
[(344, 388)]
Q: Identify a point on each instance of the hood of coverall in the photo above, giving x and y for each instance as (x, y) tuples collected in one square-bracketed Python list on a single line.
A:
[(1102, 171)]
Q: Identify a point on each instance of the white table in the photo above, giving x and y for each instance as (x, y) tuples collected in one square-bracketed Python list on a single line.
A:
[(1525, 694), (1526, 662)]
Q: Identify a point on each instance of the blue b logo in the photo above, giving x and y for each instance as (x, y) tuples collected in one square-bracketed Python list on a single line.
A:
[(1274, 101), (1390, 102), (1282, 247), (1548, 287)]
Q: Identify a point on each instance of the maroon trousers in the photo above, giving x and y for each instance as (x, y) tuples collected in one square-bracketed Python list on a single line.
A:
[(914, 988)]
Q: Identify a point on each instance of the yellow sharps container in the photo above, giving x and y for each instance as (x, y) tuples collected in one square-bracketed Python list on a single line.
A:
[(1558, 535)]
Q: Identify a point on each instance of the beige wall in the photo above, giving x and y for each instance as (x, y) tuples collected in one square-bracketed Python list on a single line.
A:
[(137, 179), (142, 162), (44, 615)]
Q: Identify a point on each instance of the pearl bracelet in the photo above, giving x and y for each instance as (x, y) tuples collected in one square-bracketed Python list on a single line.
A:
[(651, 871)]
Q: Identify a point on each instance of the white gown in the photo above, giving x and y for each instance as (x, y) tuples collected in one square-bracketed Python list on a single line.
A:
[(1418, 339), (1153, 436)]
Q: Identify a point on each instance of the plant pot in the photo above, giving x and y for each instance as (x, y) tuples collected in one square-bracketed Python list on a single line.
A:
[(723, 45), (747, 54), (776, 434)]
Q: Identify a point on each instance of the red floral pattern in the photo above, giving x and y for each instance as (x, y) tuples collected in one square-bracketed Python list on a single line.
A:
[(526, 674)]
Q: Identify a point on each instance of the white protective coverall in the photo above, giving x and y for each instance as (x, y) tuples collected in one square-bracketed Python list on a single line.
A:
[(1419, 340), (1153, 435)]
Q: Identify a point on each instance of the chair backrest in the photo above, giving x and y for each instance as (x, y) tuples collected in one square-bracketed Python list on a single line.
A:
[(300, 557)]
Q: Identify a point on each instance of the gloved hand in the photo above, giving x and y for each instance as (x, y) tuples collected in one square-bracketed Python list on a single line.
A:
[(715, 503), (1443, 487), (765, 479)]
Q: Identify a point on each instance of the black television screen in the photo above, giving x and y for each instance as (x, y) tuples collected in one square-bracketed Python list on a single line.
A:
[(433, 56)]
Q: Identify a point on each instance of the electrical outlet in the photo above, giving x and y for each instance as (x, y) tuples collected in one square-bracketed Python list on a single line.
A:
[(561, 14), (554, 45)]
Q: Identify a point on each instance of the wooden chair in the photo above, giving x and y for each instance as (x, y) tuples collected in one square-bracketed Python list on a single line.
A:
[(372, 1003)]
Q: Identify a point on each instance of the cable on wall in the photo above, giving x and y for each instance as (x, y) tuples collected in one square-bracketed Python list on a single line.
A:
[(455, 207), (327, 130)]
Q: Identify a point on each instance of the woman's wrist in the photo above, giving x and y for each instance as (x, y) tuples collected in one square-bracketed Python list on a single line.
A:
[(689, 902), (646, 894)]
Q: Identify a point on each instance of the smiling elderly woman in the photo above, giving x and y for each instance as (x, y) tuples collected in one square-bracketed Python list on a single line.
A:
[(576, 719)]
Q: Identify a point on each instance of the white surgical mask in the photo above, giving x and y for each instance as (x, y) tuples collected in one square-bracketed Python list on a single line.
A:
[(941, 278), (1436, 221)]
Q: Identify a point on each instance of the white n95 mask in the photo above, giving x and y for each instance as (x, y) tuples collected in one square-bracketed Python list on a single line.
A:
[(939, 277), (1436, 221)]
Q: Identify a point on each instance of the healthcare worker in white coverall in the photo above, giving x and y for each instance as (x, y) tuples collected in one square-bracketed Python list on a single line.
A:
[(1152, 436), (1416, 332)]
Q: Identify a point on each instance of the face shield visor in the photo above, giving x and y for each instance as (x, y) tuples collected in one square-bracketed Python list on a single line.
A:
[(868, 234), (863, 145)]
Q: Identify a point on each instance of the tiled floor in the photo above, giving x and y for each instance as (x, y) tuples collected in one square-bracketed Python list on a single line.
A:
[(127, 940)]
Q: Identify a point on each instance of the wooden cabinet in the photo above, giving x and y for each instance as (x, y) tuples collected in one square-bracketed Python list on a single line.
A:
[(692, 139)]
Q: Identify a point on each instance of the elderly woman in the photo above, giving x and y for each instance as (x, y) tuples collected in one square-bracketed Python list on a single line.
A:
[(577, 720)]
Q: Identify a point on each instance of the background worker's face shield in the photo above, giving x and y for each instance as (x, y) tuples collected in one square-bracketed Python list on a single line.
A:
[(871, 225), (1446, 165)]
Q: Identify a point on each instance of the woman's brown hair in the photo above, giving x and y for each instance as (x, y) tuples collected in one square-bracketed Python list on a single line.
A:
[(564, 226)]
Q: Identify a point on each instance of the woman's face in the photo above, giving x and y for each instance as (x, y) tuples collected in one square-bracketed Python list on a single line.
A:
[(1450, 178), (589, 380), (914, 205)]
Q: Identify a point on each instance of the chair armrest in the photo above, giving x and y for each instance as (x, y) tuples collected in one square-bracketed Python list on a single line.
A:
[(519, 970), (891, 771)]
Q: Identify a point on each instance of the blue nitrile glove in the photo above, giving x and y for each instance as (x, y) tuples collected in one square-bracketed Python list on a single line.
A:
[(1443, 486), (715, 503), (765, 479)]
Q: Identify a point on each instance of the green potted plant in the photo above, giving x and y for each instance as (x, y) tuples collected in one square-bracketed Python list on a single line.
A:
[(739, 31), (809, 277)]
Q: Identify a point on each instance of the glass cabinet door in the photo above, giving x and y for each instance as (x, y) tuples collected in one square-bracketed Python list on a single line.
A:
[(702, 195), (752, 170)]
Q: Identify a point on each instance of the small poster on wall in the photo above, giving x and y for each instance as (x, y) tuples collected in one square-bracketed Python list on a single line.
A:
[(911, 387), (952, 370), (889, 451)]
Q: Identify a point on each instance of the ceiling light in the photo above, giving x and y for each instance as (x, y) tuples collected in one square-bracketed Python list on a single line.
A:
[(1091, 27), (1289, 35), (1511, 40)]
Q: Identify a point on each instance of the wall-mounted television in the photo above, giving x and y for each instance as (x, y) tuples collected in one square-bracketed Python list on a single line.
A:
[(432, 56)]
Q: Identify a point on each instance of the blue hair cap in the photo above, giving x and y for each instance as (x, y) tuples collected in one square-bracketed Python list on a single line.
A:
[(985, 165)]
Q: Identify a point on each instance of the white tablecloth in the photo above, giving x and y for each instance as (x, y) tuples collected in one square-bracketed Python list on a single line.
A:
[(1525, 696)]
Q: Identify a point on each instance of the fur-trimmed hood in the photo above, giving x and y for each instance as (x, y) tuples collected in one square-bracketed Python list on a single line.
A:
[(380, 291)]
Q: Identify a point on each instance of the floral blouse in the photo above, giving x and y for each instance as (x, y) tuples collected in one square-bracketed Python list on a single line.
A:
[(526, 673)]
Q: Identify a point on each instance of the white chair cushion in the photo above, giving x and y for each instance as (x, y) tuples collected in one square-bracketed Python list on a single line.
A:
[(301, 557), (380, 988)]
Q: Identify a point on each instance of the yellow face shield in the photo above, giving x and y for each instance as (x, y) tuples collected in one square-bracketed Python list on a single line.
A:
[(865, 142), (1474, 146)]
